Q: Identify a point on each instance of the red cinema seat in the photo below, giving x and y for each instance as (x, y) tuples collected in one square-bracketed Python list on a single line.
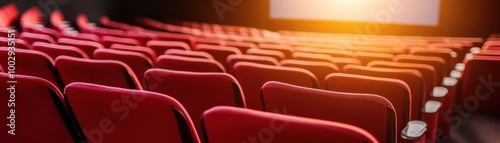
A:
[(111, 114), (268, 53), (491, 45), (138, 49), (54, 50), (209, 41), (165, 36), (480, 85), (312, 57), (107, 41), (247, 125), (341, 62), (378, 118), (242, 46), (172, 62), (18, 43), (331, 52), (285, 49), (138, 62), (87, 46), (319, 69), (411, 77), (448, 55), (104, 72), (81, 36), (33, 37), (32, 63), (40, 114), (366, 57), (141, 37), (219, 53), (438, 63), (252, 77), (191, 54), (233, 59), (396, 91), (198, 92), (161, 46), (427, 71)]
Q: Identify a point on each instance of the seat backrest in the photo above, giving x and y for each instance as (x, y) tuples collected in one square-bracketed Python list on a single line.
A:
[(481, 84), (319, 69), (252, 77), (491, 45), (138, 62), (30, 62), (411, 77), (233, 59), (285, 49), (107, 41), (268, 53), (396, 91), (39, 115), (87, 46), (104, 72), (161, 46), (191, 54), (448, 55), (427, 71), (188, 39), (19, 43), (219, 53), (34, 37), (312, 57), (188, 64), (110, 114), (247, 125), (366, 57), (438, 63), (198, 92), (54, 50), (242, 46), (138, 49), (378, 116)]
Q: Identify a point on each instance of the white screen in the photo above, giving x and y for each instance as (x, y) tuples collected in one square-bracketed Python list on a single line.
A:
[(410, 12)]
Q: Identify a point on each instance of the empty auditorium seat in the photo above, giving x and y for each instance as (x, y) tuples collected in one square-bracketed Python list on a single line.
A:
[(341, 62), (480, 84), (312, 57), (18, 43), (87, 46), (142, 37), (39, 115), (411, 77), (268, 53), (252, 77), (285, 49), (219, 53), (319, 69), (104, 72), (191, 54), (256, 126), (366, 57), (233, 59), (165, 36), (396, 91), (107, 41), (242, 46), (196, 91), (138, 49), (111, 114), (33, 37), (378, 118), (173, 62), (161, 46), (81, 36), (32, 63), (438, 63), (54, 50), (209, 41), (138, 62), (491, 45), (448, 55)]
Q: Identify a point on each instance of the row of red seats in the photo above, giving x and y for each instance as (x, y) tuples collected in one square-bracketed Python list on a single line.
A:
[(414, 85)]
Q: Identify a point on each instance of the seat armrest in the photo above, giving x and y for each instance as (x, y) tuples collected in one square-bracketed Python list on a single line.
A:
[(430, 116), (414, 130), (455, 74), (439, 92), (460, 67)]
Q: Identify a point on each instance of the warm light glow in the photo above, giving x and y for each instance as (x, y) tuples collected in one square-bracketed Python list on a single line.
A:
[(421, 12)]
